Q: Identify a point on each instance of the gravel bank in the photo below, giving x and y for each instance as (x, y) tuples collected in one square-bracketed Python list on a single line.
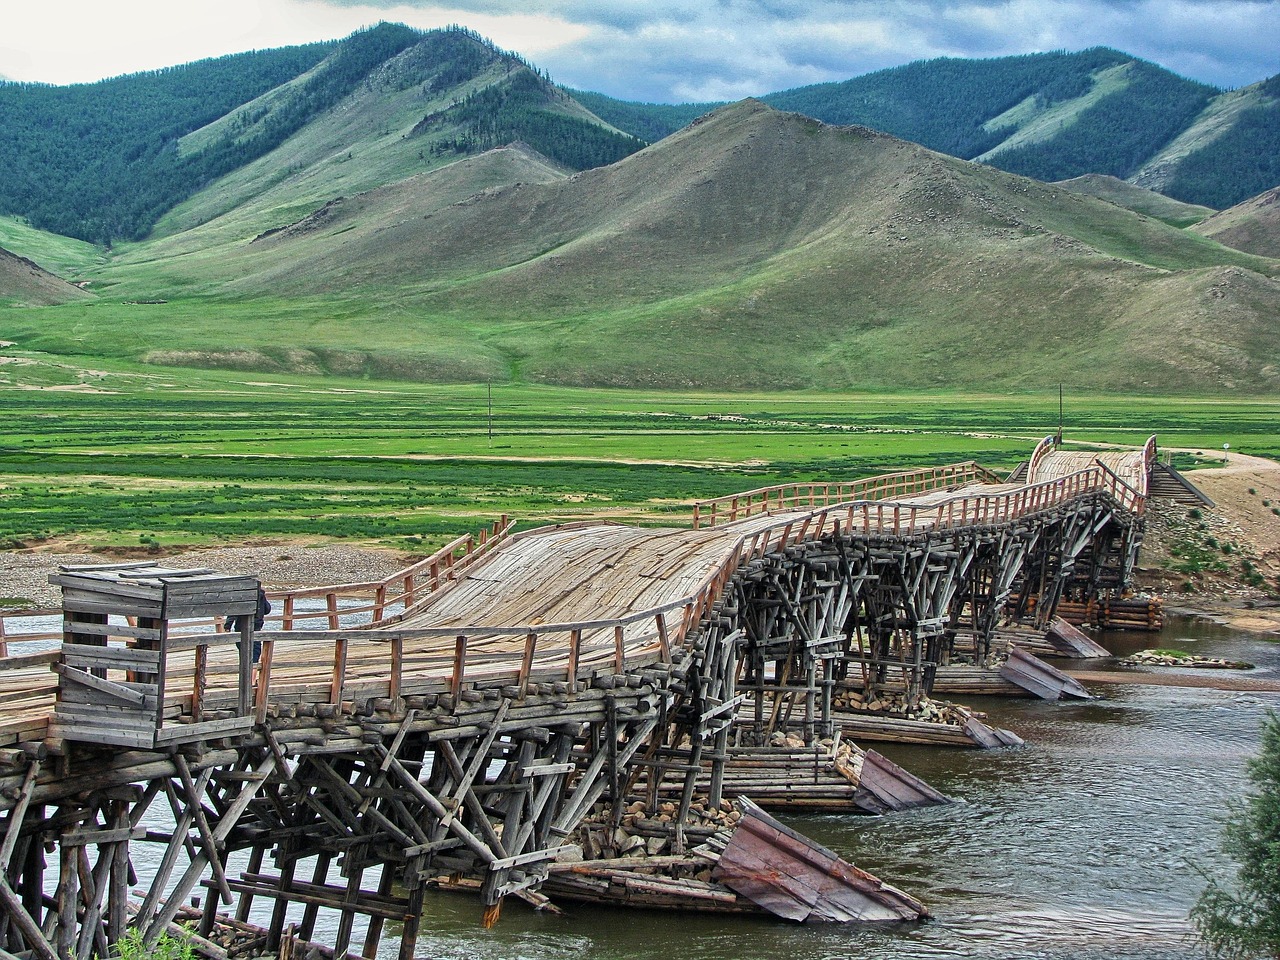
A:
[(26, 575)]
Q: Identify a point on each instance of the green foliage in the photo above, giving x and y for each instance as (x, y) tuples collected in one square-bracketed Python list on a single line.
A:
[(1244, 921), (100, 162), (1119, 133), (517, 109), (166, 947), (648, 121), (1240, 164), (186, 456), (944, 103)]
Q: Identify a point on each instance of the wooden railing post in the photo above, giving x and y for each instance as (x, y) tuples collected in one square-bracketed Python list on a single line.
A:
[(575, 647), (262, 692), (619, 651), (664, 645), (286, 622), (339, 672), (397, 668), (526, 663), (331, 607), (459, 665)]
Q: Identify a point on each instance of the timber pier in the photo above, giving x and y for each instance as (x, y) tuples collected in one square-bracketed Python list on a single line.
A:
[(518, 709)]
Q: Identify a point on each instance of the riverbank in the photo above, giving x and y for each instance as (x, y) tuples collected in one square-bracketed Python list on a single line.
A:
[(1221, 562)]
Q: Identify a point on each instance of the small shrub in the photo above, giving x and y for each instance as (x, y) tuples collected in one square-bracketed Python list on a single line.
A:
[(1194, 513), (166, 947), (1252, 492)]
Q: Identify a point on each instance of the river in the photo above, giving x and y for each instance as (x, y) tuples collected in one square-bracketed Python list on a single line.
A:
[(1086, 843)]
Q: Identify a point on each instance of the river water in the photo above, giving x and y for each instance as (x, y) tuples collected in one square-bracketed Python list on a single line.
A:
[(1085, 843)]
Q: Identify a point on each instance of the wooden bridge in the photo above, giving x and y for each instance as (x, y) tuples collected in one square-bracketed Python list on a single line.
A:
[(513, 701)]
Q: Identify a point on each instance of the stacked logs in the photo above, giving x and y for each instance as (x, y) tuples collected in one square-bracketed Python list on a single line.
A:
[(1134, 613)]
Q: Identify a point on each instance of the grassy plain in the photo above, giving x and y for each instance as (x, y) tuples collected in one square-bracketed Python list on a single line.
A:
[(113, 453)]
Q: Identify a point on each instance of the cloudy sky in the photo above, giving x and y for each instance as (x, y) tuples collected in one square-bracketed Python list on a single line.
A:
[(659, 50)]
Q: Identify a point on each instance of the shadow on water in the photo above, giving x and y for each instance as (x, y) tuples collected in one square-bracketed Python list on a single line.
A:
[(1086, 843)]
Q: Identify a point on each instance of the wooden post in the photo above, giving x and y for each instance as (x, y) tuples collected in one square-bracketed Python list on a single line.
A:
[(459, 665), (339, 671), (575, 646), (397, 668), (526, 662)]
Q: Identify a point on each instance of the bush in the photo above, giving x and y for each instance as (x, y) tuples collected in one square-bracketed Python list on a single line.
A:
[(1245, 921), (166, 947)]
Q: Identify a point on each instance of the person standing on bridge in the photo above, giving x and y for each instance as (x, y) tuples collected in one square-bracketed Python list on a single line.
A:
[(236, 624)]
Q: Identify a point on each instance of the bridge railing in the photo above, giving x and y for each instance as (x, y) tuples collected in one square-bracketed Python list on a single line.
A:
[(384, 601), (792, 496), (16, 626), (445, 660)]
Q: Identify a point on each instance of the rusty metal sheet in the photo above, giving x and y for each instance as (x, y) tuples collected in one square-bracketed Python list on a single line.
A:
[(989, 737), (1068, 641), (792, 877), (1037, 677), (883, 786)]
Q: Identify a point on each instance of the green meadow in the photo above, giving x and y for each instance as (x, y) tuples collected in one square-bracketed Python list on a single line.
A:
[(110, 453)]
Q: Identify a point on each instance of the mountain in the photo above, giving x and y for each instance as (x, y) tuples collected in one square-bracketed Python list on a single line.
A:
[(1052, 116), (1138, 199), (106, 162), (1252, 226), (24, 283), (754, 249)]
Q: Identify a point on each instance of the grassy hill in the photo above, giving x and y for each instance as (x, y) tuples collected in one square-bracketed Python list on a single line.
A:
[(1252, 226), (23, 283), (1138, 199), (754, 249), (109, 162), (1052, 116)]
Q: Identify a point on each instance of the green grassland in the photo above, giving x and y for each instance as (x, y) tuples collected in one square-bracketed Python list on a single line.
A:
[(114, 453)]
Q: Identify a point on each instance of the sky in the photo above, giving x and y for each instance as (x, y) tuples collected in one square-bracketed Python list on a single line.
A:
[(666, 51)]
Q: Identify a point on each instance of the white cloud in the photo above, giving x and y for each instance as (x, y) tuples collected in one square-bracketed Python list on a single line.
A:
[(659, 49)]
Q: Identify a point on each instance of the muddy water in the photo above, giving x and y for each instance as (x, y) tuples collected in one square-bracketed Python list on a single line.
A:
[(1083, 844)]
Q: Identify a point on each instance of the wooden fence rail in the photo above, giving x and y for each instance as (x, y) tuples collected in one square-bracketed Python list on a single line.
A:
[(792, 496)]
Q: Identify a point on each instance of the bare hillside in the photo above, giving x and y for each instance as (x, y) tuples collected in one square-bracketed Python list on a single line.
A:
[(1138, 199), (793, 253), (1252, 226), (24, 282)]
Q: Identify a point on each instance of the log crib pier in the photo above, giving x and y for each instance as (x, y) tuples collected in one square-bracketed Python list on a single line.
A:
[(523, 708)]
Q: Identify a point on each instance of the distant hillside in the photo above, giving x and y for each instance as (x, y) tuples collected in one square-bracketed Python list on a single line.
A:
[(128, 151), (1252, 226), (1138, 199), (755, 249), (23, 282), (1051, 116), (98, 161)]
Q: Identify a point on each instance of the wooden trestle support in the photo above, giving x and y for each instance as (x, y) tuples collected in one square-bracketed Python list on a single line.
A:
[(350, 797)]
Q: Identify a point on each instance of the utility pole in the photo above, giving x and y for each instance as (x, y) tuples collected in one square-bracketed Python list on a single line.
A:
[(1058, 441)]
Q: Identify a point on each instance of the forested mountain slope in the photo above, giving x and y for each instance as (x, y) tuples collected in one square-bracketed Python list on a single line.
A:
[(755, 249), (105, 162), (1051, 116)]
